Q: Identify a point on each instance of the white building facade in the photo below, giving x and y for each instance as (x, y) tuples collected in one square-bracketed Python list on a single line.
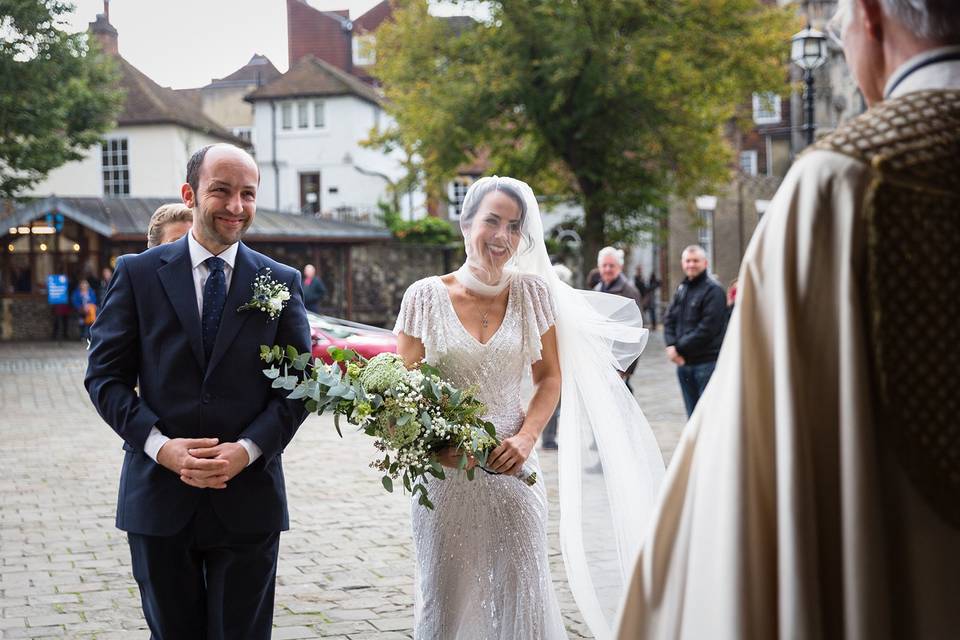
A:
[(132, 161), (308, 135)]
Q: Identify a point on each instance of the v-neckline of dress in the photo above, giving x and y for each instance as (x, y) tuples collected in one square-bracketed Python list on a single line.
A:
[(460, 324)]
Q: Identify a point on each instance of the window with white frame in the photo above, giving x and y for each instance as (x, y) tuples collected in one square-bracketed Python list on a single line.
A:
[(319, 119), (286, 116), (748, 162), (364, 49), (458, 193), (766, 108), (303, 115), (706, 205), (115, 167)]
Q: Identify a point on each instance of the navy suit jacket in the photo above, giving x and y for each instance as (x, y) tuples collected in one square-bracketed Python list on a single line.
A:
[(147, 367)]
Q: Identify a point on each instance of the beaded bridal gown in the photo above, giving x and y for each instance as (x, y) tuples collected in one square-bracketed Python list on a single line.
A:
[(481, 554)]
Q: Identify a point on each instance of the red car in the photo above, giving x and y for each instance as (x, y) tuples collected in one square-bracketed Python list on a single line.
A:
[(333, 332)]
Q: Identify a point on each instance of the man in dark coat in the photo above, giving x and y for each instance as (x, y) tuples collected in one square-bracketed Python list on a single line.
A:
[(174, 369), (313, 290), (693, 328)]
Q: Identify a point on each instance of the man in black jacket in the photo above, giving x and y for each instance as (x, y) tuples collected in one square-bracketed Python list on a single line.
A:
[(693, 328)]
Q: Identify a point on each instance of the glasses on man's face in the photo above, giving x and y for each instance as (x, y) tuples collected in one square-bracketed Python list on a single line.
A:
[(838, 23)]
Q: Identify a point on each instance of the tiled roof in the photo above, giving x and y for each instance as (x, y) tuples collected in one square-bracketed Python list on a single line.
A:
[(126, 218), (259, 71), (148, 103), (311, 76), (373, 18)]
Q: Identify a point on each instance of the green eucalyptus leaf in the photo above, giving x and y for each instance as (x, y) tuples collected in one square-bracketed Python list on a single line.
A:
[(429, 370), (387, 483), (301, 361), (300, 391), (312, 389), (271, 373), (338, 390), (336, 424)]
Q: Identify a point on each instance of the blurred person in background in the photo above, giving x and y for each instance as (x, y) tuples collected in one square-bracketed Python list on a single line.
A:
[(169, 223)]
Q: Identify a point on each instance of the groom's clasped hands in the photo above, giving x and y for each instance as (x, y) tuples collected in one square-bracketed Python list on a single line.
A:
[(204, 463)]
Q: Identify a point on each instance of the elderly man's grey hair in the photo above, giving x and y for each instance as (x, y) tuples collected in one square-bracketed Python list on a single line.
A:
[(693, 248), (936, 20), (611, 251)]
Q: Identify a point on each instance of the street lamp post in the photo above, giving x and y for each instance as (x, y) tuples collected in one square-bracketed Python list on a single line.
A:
[(809, 51)]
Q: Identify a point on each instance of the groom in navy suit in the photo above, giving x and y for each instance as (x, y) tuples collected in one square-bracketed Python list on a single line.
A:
[(174, 369)]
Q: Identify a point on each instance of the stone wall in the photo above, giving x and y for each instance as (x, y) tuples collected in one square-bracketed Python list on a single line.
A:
[(734, 221), (382, 272), (28, 317), (365, 282)]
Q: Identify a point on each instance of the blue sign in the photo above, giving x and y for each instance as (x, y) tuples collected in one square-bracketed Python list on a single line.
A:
[(55, 220), (57, 289)]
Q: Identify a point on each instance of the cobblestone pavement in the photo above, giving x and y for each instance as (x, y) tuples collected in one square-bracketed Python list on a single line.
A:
[(345, 567)]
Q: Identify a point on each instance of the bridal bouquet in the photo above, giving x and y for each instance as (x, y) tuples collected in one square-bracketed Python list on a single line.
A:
[(412, 413)]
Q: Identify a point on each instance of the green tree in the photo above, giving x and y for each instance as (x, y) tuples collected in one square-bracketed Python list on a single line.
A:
[(619, 104), (57, 95)]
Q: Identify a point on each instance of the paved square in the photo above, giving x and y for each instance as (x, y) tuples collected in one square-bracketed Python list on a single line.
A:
[(345, 566)]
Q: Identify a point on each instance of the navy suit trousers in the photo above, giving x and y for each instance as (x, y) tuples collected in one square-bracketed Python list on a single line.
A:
[(204, 582)]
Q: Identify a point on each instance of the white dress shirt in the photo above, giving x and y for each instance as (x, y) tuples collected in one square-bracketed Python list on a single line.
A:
[(198, 256)]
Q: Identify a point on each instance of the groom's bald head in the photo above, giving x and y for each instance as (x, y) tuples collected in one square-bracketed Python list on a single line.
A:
[(199, 157)]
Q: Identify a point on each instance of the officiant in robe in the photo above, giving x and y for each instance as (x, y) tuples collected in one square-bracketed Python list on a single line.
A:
[(815, 492)]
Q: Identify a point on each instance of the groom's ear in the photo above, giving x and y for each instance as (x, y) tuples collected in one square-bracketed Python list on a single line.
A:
[(187, 195)]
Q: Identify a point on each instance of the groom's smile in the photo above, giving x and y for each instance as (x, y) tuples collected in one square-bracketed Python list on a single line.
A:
[(223, 196)]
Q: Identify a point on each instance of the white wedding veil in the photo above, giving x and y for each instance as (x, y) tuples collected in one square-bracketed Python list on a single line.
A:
[(609, 465)]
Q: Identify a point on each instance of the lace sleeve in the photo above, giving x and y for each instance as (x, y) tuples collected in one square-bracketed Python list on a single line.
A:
[(414, 316), (539, 314)]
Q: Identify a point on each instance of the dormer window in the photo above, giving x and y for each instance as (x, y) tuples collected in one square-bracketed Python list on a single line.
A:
[(364, 49)]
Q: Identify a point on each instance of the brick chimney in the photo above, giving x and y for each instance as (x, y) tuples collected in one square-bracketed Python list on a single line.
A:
[(104, 31), (324, 34)]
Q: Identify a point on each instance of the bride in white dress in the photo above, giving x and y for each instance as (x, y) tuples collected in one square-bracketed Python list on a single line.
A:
[(481, 553)]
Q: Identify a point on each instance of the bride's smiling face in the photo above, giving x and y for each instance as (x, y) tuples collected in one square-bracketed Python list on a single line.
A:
[(496, 229)]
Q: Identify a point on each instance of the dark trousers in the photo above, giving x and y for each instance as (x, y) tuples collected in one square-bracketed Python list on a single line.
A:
[(61, 327), (206, 583), (693, 380)]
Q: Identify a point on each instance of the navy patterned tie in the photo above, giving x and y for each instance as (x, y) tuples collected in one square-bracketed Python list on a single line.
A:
[(214, 297)]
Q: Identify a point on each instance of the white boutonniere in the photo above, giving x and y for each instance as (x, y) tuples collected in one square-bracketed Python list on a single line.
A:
[(269, 295)]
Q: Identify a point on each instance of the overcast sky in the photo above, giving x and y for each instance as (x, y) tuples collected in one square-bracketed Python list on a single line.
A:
[(187, 43)]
